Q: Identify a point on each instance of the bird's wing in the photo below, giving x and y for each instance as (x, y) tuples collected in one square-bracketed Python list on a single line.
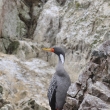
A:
[(52, 92)]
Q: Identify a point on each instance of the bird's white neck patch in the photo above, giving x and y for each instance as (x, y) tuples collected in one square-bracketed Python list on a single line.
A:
[(62, 58)]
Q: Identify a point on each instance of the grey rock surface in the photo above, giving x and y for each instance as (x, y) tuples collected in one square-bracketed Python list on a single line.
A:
[(91, 102), (92, 90), (23, 80), (26, 26), (77, 26)]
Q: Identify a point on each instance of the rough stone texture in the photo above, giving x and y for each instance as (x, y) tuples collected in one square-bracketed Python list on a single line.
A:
[(24, 19), (93, 103), (92, 90), (29, 11), (27, 49), (74, 89), (61, 2), (31, 105), (19, 26), (48, 24), (23, 80), (10, 22), (5, 105), (18, 19), (79, 26)]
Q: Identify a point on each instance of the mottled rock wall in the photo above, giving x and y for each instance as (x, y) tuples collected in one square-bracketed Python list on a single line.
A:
[(24, 83), (92, 89), (18, 20), (78, 26), (19, 17)]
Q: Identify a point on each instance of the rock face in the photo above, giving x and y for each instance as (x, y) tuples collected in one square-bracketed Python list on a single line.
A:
[(23, 82), (77, 26), (92, 90)]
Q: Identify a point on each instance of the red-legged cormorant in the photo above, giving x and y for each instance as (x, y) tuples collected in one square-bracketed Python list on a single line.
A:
[(60, 81)]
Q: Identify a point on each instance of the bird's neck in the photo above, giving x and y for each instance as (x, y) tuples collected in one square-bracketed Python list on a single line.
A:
[(60, 71), (61, 59), (60, 65)]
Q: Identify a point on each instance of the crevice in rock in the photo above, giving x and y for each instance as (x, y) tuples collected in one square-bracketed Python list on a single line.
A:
[(11, 46), (27, 22), (61, 2), (4, 44), (32, 22)]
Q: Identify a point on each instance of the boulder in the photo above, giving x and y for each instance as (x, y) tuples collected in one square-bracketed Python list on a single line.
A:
[(91, 102)]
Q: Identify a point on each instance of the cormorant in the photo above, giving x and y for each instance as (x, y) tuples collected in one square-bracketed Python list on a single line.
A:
[(60, 81)]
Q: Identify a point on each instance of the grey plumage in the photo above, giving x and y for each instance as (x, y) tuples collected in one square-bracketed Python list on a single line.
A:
[(52, 87)]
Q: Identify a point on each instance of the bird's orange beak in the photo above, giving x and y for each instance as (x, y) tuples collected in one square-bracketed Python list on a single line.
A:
[(48, 49)]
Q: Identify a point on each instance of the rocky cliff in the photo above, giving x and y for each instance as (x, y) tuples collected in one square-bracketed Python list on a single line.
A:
[(92, 89), (28, 25), (23, 83), (78, 26)]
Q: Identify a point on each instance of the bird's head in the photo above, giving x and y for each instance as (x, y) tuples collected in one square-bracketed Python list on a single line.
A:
[(57, 50)]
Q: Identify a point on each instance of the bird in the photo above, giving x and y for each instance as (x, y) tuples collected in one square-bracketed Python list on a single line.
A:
[(60, 81)]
